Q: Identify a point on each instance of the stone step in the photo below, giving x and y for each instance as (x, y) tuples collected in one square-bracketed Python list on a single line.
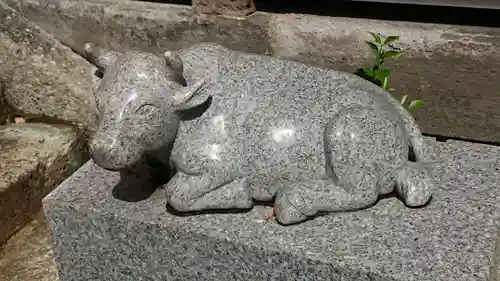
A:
[(28, 254), (34, 158)]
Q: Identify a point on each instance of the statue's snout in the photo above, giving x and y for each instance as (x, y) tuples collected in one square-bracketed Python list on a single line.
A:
[(106, 154), (100, 155)]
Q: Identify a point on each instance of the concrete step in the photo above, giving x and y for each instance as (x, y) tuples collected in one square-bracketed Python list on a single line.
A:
[(34, 159)]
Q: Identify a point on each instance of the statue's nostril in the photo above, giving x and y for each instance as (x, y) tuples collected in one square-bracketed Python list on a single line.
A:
[(92, 147)]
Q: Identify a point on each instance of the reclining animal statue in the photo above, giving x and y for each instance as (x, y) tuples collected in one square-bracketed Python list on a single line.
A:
[(313, 140)]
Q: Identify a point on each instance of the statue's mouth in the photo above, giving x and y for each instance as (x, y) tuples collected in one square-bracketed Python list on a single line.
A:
[(104, 160)]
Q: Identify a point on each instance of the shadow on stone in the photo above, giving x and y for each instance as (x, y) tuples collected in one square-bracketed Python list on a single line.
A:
[(142, 181), (220, 211), (196, 112), (130, 188), (206, 212)]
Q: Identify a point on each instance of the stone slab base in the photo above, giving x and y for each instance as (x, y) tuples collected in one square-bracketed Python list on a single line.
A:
[(98, 237)]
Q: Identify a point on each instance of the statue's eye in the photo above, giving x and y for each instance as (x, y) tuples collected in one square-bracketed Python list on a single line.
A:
[(146, 109)]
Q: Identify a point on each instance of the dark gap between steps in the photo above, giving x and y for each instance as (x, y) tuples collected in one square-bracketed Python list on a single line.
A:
[(441, 138), (376, 10)]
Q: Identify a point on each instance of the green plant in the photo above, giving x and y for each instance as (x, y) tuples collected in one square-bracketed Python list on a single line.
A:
[(383, 48)]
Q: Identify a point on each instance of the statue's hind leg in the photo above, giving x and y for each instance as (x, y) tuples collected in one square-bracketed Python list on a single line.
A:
[(414, 184), (299, 201)]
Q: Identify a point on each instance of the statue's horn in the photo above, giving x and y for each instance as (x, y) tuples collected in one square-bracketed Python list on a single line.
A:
[(101, 58), (174, 61)]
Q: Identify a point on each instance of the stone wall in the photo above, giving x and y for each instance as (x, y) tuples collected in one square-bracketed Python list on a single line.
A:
[(41, 78), (46, 108), (224, 7), (453, 68)]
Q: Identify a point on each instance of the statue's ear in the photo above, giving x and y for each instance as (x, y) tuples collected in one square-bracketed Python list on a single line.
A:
[(100, 58), (190, 96)]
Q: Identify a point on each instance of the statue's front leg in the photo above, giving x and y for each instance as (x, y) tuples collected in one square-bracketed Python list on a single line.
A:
[(211, 190)]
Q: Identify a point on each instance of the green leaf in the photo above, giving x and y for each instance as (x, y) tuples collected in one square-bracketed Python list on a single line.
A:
[(376, 36), (369, 72), (403, 99), (390, 90), (375, 48), (391, 39), (381, 74), (416, 104), (389, 54)]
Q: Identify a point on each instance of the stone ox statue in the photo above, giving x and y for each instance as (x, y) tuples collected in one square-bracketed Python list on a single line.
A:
[(314, 140)]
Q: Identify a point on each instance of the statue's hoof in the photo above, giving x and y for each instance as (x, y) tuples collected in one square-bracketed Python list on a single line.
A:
[(288, 207), (415, 185), (418, 198)]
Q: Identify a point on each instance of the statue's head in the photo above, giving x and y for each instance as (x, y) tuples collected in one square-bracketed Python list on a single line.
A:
[(139, 100)]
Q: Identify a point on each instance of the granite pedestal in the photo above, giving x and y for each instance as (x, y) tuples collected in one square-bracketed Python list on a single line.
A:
[(454, 237)]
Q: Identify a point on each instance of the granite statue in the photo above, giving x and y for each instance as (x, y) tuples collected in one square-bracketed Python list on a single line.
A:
[(313, 141)]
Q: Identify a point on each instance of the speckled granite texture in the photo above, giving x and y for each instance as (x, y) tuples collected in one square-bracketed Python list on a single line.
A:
[(98, 237)]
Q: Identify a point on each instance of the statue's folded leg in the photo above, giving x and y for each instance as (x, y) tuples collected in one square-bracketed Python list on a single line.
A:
[(207, 191), (299, 201)]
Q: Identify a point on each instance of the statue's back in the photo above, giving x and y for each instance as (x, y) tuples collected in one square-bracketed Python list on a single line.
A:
[(267, 118)]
